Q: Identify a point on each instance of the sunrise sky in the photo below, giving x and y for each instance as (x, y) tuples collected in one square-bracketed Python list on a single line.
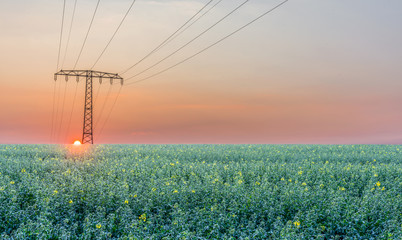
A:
[(310, 72)]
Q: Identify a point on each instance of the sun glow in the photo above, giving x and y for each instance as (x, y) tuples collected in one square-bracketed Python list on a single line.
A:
[(78, 151)]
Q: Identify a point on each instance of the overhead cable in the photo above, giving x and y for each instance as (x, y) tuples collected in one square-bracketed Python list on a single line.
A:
[(114, 34), (97, 94), (71, 113), (103, 107), (192, 40), (196, 20), (86, 37), (167, 39), (59, 135), (55, 134), (110, 111), (69, 34), (61, 35), (53, 109), (210, 46)]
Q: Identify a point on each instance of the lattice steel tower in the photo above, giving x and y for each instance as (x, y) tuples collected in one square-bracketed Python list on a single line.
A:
[(87, 132)]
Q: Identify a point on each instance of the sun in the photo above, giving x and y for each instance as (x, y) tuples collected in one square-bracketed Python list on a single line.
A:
[(77, 143)]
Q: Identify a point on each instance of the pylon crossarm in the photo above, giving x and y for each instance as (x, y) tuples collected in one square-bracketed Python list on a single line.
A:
[(85, 73)]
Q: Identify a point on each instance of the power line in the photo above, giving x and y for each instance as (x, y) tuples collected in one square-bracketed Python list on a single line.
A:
[(210, 46), (72, 109), (97, 94), (196, 20), (96, 100), (192, 40), (54, 101), (114, 34), (110, 112), (69, 34), (57, 67), (62, 112), (86, 37), (61, 34), (55, 134), (167, 39), (103, 107)]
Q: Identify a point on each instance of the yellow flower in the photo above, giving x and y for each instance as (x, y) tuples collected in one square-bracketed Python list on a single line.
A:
[(282, 179), (153, 189), (297, 223), (135, 196), (375, 175), (342, 188), (193, 191), (383, 188), (143, 217), (321, 185), (175, 191), (71, 201), (12, 182), (378, 184), (257, 183), (290, 180), (304, 184), (55, 192), (172, 164), (126, 202), (240, 181), (98, 225), (300, 172), (23, 170)]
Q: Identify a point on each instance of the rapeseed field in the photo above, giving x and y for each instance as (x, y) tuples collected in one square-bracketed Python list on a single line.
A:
[(201, 192)]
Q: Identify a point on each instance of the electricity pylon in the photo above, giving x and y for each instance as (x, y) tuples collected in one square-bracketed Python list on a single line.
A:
[(87, 132)]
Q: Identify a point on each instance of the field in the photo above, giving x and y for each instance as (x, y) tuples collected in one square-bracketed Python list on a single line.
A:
[(201, 192)]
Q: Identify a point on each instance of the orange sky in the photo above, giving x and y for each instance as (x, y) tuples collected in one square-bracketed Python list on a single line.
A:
[(311, 72)]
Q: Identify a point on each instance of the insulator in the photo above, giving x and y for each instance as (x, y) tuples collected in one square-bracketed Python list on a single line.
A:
[(111, 81), (100, 80), (78, 78), (66, 78), (55, 77), (121, 81)]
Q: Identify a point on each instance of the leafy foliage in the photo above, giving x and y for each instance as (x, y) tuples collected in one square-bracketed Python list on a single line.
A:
[(201, 192)]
